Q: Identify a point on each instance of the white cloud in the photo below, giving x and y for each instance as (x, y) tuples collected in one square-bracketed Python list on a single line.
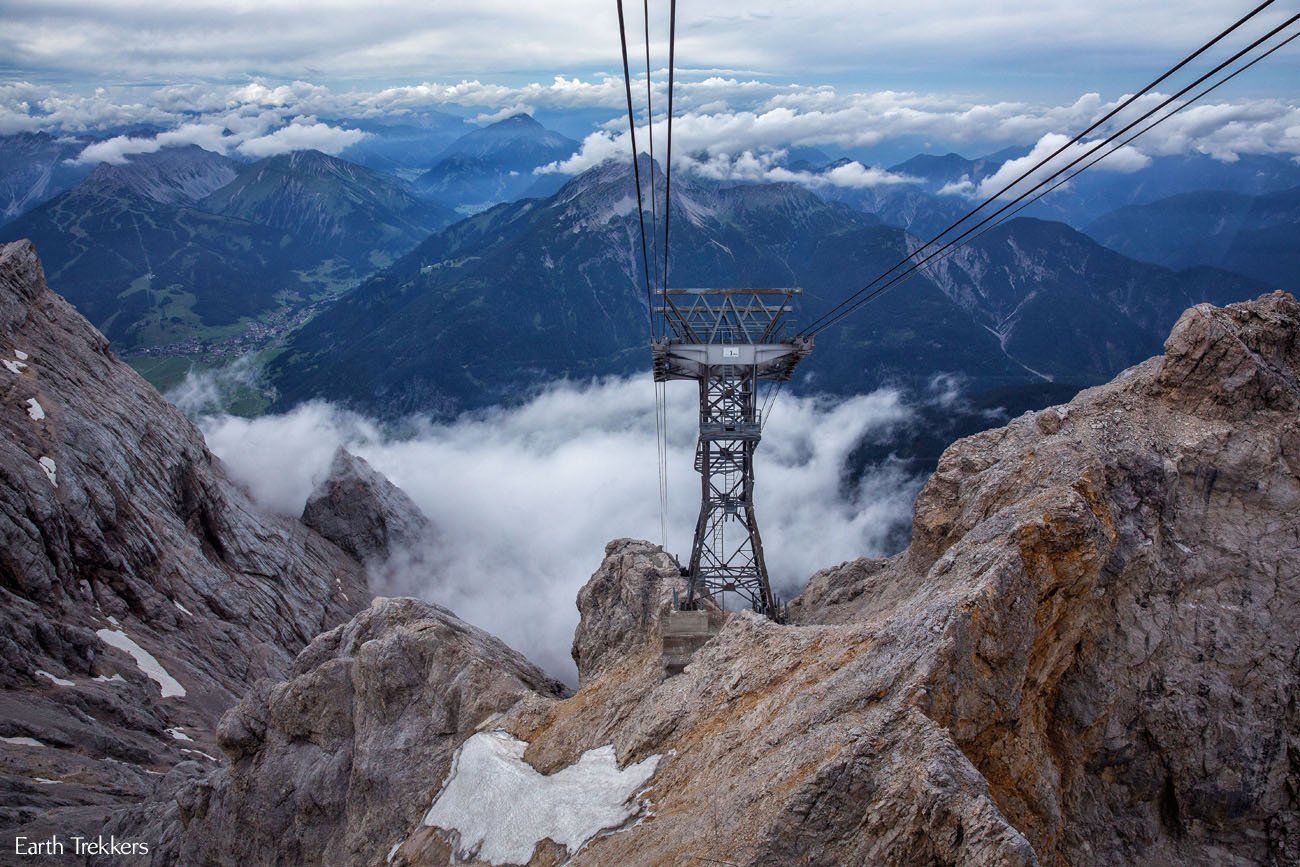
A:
[(963, 187), (715, 116), (734, 141), (1126, 159), (115, 150), (302, 134), (246, 135), (525, 499), (749, 166)]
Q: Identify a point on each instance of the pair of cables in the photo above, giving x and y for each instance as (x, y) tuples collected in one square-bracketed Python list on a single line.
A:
[(1095, 152), (656, 275)]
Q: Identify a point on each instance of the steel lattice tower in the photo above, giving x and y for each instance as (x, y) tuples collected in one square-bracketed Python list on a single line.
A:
[(728, 341)]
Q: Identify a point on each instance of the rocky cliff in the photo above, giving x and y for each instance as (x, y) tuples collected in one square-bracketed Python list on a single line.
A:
[(142, 590), (1088, 655)]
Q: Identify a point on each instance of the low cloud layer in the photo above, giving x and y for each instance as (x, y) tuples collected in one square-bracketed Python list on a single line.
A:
[(725, 125), (525, 499), (729, 143), (301, 133), (1071, 158)]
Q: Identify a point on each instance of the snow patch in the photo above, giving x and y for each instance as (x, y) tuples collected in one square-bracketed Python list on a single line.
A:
[(51, 471), (57, 681), (44, 782), (182, 609), (20, 355), (14, 366), (24, 742), (144, 660), (178, 734), (501, 807), (117, 678), (34, 409), (198, 753)]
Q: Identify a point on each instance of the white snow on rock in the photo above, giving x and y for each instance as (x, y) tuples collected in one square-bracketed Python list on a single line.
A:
[(117, 678), (24, 742), (501, 807), (182, 608), (34, 409), (198, 753), (20, 355), (51, 471), (57, 681), (144, 660), (45, 782), (14, 366), (179, 735)]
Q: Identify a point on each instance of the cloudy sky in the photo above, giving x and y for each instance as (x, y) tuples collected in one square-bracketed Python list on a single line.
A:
[(262, 76), (1009, 49)]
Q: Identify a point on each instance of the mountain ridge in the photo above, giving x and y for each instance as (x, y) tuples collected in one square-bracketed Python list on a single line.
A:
[(1042, 677)]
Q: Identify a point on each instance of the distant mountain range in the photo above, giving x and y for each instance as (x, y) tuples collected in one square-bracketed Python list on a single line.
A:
[(404, 148), (333, 208), (176, 243), (34, 169), (148, 272), (1255, 235), (495, 164), (1096, 192), (530, 291), (175, 175), (179, 247)]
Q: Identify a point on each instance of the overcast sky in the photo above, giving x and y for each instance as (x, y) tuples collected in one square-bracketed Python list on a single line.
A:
[(836, 73), (1011, 49)]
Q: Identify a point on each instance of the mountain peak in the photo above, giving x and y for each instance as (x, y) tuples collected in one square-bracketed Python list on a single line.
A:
[(522, 120), (171, 175)]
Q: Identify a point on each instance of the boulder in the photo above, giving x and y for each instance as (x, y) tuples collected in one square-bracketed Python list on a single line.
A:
[(364, 513)]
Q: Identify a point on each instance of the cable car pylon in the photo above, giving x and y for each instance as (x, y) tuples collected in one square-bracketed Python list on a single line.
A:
[(728, 341)]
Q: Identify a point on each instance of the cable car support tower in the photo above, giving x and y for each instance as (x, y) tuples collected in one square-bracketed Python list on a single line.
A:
[(728, 341)]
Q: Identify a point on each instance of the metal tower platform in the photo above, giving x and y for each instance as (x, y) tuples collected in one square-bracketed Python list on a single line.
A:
[(728, 340)]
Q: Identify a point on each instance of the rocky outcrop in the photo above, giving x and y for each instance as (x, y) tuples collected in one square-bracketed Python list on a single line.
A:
[(142, 589), (364, 513), (337, 764), (622, 603), (1087, 656)]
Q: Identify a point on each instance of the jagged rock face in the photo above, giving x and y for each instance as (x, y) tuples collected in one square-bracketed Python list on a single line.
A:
[(622, 603), (1087, 656), (364, 513), (142, 589), (338, 764), (1119, 661)]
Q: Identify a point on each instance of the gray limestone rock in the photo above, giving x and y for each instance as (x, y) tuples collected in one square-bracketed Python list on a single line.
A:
[(338, 763), (142, 590), (622, 603), (364, 513), (1086, 656)]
